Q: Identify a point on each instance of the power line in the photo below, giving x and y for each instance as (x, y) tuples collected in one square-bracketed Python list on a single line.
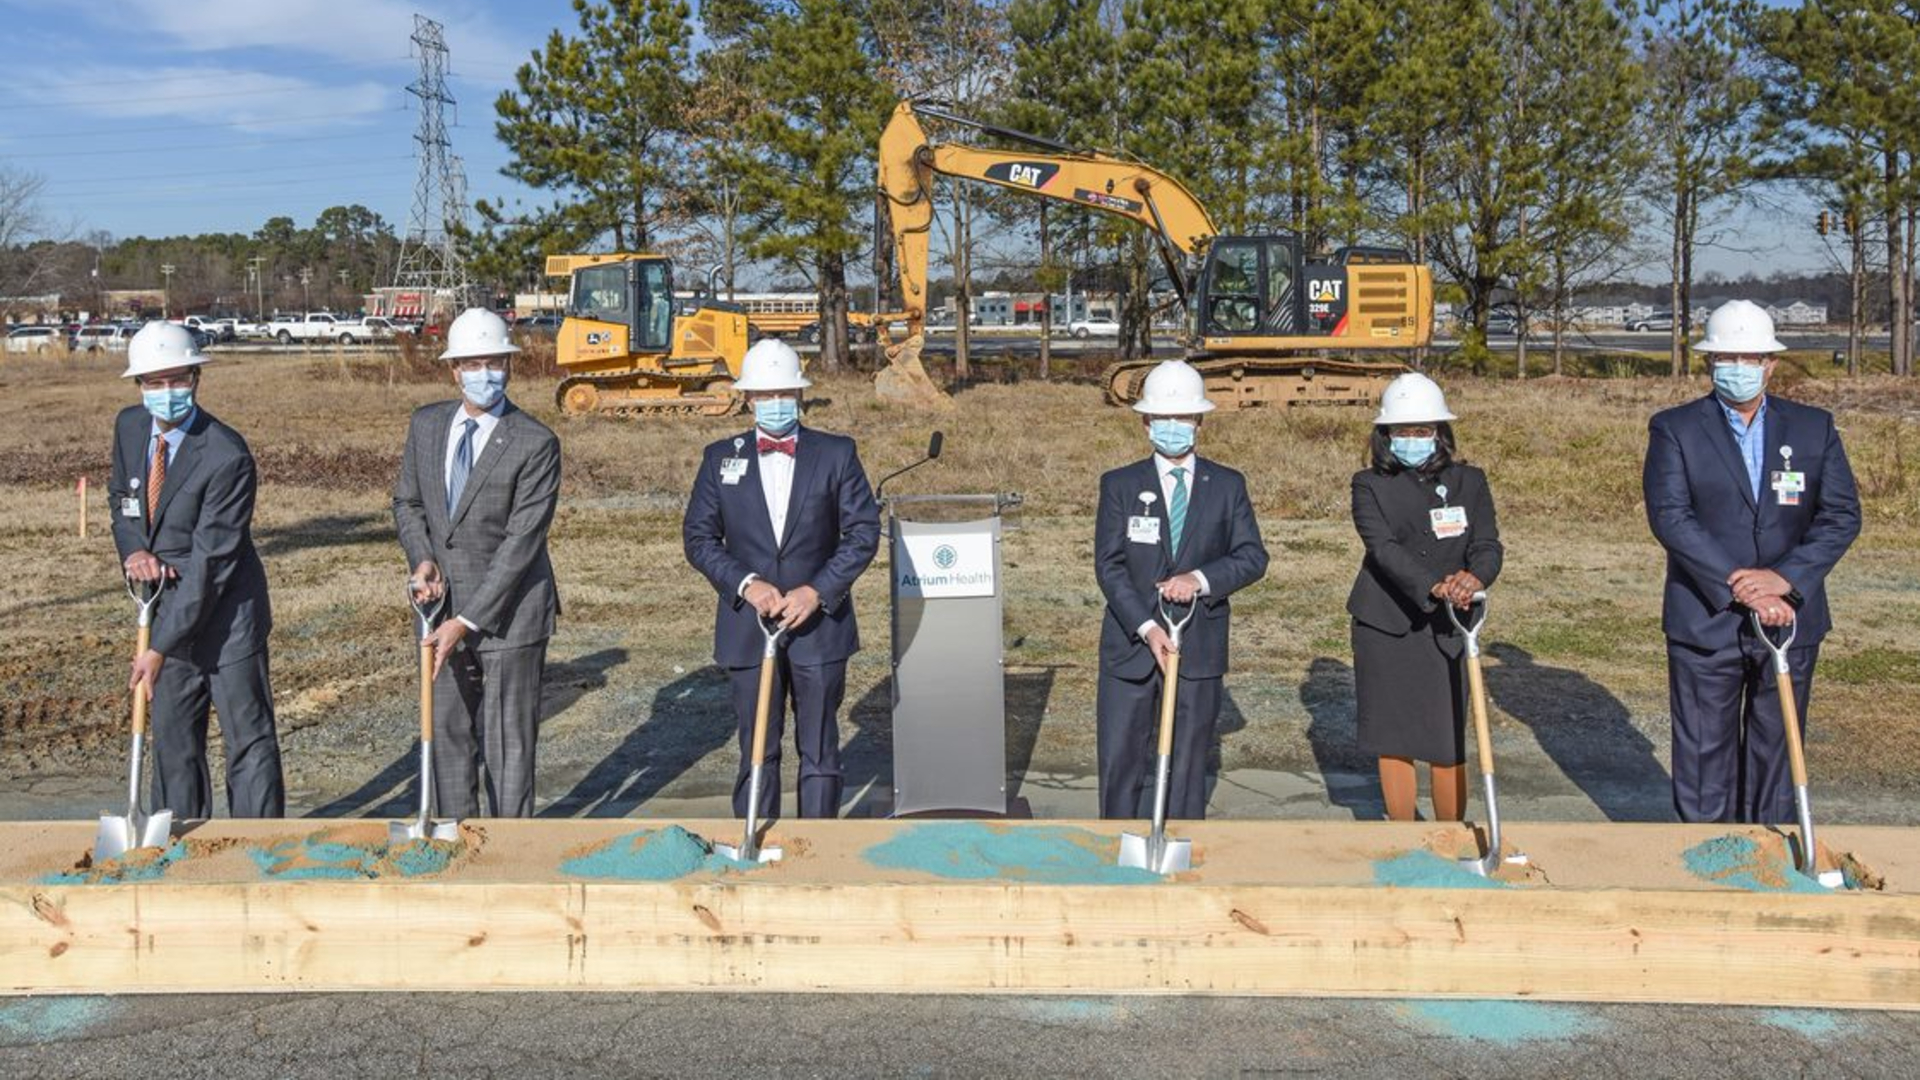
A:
[(197, 149), (160, 124), (215, 174), (183, 76)]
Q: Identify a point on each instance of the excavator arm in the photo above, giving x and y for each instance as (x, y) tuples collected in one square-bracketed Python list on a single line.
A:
[(909, 161)]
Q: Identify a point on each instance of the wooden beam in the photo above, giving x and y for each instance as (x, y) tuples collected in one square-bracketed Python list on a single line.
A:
[(1605, 913)]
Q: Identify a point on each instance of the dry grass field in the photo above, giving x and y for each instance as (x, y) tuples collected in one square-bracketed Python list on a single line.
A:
[(635, 713)]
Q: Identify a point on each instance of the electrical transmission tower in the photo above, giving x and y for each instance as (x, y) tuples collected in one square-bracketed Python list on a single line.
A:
[(428, 258)]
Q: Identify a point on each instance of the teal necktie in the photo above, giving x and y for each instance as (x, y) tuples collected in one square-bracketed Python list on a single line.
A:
[(1177, 508)]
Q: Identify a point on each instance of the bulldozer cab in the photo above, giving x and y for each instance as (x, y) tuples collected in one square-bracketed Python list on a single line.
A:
[(636, 294), (1249, 287)]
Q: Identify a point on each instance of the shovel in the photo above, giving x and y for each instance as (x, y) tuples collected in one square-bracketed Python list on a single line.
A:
[(121, 834), (750, 849), (1486, 864), (424, 827), (1796, 753), (1154, 851)]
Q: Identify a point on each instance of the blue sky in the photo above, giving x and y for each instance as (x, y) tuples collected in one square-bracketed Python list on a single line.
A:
[(162, 117)]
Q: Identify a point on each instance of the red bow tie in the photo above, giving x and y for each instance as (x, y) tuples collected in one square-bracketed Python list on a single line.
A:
[(778, 446)]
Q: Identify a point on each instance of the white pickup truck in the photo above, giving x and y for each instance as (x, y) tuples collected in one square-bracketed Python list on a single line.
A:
[(316, 326)]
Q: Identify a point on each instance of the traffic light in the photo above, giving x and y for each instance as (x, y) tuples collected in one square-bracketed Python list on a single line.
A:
[(1826, 223)]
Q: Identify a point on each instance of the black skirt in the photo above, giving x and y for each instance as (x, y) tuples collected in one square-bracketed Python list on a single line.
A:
[(1410, 695)]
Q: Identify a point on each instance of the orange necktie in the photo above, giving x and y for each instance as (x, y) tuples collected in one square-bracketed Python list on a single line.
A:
[(156, 476)]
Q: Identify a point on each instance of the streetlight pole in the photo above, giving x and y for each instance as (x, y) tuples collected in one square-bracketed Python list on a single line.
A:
[(306, 292), (166, 291), (342, 275), (259, 283)]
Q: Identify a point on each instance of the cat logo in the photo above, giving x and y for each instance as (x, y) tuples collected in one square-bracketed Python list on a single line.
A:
[(1026, 174), (1323, 290)]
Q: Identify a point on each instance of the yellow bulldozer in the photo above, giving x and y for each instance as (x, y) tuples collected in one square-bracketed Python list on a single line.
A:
[(627, 349), (1266, 322)]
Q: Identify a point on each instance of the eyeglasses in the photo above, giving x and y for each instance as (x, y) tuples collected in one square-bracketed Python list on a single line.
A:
[(1739, 361), (1412, 431), (166, 382), (492, 363)]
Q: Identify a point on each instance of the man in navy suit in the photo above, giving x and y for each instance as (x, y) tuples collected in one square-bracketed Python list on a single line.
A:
[(1752, 497), (781, 521), (1178, 526)]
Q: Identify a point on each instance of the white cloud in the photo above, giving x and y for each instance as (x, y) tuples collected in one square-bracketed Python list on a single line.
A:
[(247, 100), (347, 30)]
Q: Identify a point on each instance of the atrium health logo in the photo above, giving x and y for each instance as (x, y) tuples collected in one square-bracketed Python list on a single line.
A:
[(944, 556)]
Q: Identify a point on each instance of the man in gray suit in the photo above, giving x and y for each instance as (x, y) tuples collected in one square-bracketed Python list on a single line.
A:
[(181, 502), (476, 493)]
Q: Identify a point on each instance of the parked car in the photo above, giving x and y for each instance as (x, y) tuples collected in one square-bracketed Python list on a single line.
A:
[(36, 339), (540, 324), (240, 329), (1501, 324), (102, 337), (217, 330), (1659, 320), (1086, 328)]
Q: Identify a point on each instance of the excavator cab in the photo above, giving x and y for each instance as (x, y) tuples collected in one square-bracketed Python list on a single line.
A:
[(1248, 288), (627, 351)]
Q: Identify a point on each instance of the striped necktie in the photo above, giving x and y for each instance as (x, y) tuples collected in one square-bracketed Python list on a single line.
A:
[(1177, 508), (156, 477), (462, 465)]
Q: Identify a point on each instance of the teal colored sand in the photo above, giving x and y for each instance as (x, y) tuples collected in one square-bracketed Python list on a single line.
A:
[(317, 858), (140, 864), (54, 1019), (1504, 1023), (652, 855), (1815, 1024), (1425, 870), (1040, 854), (1739, 862)]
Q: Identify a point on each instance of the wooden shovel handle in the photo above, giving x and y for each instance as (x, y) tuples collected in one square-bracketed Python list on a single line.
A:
[(1169, 695), (142, 641), (1477, 701), (426, 693), (760, 710), (1790, 719)]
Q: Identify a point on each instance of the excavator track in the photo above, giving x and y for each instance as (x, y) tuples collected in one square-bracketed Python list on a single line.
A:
[(648, 393), (1246, 382)]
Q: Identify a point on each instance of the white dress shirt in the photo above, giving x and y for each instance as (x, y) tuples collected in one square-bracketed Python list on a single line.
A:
[(174, 437), (488, 421), (776, 483), (1165, 466)]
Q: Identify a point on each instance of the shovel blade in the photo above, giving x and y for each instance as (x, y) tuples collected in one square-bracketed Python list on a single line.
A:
[(406, 832), (158, 830), (113, 839), (1172, 857), (740, 853)]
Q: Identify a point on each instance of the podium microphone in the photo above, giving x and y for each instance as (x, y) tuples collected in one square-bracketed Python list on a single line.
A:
[(933, 451)]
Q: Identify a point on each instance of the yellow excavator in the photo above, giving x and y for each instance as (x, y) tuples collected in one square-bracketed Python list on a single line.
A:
[(1263, 318), (626, 350)]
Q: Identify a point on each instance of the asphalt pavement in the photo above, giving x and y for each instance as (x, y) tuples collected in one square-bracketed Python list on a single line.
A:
[(826, 1035)]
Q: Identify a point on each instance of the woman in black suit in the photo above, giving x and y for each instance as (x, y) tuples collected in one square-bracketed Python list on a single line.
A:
[(1428, 524)]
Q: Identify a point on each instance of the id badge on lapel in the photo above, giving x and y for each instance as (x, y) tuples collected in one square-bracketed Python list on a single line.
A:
[(130, 507), (732, 469), (1143, 529)]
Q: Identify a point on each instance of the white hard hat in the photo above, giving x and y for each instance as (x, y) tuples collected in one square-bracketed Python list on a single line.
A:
[(1413, 399), (1173, 388), (161, 346), (478, 332), (771, 365), (1740, 326)]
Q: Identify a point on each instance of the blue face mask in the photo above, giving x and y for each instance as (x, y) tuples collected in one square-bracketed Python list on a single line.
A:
[(1410, 450), (168, 406), (777, 416), (483, 388), (1738, 384), (1173, 438)]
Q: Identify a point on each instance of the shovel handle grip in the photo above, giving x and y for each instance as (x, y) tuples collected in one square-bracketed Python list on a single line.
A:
[(1477, 701), (1169, 697), (426, 693), (142, 639), (761, 709), (1790, 719)]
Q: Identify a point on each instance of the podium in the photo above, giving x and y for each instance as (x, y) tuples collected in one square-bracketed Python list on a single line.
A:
[(949, 685)]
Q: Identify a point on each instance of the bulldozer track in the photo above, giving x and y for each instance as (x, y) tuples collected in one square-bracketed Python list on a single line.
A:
[(1314, 379), (601, 395)]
